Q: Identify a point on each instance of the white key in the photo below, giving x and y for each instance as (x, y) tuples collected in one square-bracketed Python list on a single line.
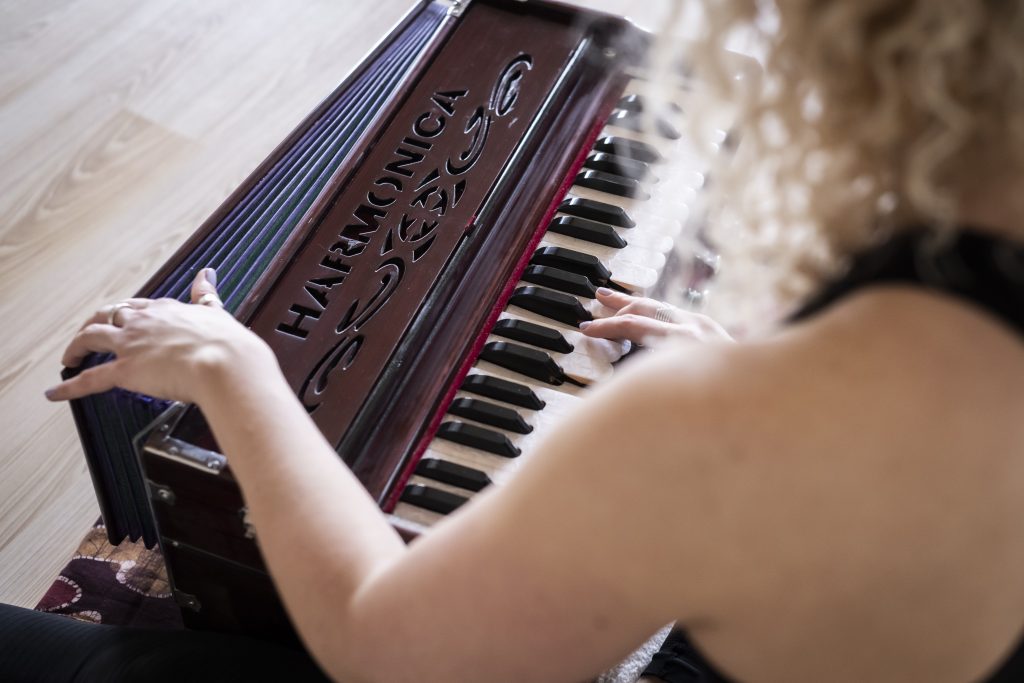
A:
[(421, 518), (539, 388)]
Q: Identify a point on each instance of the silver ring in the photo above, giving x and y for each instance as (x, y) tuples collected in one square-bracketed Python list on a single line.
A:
[(667, 314), (209, 299), (112, 313)]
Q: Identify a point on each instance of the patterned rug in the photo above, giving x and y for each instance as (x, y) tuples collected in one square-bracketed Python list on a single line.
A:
[(105, 584)]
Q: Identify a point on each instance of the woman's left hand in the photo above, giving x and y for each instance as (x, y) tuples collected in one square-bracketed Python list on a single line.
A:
[(164, 348)]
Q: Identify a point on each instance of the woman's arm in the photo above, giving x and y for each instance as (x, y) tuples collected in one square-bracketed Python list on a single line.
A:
[(538, 581)]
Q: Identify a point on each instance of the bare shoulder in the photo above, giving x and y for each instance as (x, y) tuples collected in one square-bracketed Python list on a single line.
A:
[(860, 473)]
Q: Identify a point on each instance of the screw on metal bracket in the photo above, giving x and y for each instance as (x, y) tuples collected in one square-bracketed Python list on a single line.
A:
[(164, 494), (457, 8)]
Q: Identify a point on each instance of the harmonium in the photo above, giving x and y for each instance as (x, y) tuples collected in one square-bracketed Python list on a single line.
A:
[(419, 253)]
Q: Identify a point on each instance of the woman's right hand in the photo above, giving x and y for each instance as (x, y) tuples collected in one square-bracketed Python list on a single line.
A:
[(642, 320), (165, 348)]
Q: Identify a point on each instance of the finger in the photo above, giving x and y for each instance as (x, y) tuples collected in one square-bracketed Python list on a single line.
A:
[(645, 307), (95, 338), (613, 299), (92, 381), (103, 314), (204, 288), (635, 328)]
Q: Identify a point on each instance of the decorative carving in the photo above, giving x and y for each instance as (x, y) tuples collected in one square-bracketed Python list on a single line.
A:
[(403, 211)]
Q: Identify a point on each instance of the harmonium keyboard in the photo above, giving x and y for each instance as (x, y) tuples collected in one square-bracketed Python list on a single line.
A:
[(419, 253)]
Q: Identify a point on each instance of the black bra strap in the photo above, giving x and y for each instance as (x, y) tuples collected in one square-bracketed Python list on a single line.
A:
[(980, 268)]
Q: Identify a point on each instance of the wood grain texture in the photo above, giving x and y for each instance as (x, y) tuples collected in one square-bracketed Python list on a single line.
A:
[(122, 126)]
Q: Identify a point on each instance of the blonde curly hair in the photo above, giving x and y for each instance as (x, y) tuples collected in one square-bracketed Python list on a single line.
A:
[(874, 115)]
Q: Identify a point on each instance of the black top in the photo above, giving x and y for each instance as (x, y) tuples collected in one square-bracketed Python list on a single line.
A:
[(972, 266)]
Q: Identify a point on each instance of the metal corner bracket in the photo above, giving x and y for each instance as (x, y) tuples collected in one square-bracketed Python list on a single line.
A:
[(162, 444)]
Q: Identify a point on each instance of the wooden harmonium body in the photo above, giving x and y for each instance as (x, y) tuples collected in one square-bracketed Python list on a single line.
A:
[(419, 253)]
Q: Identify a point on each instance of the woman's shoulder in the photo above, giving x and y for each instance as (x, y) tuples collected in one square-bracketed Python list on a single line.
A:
[(842, 469)]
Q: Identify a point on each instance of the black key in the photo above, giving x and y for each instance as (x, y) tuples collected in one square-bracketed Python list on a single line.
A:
[(666, 129), (488, 413), (573, 261), (530, 333), (453, 474), (612, 184), (555, 305), (433, 499), (597, 211), (562, 280), (591, 231), (525, 361), (636, 122), (478, 437), (624, 147), (632, 103), (503, 390), (629, 120), (621, 166)]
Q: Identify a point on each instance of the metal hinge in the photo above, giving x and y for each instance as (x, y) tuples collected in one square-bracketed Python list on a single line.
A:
[(187, 601), (161, 443)]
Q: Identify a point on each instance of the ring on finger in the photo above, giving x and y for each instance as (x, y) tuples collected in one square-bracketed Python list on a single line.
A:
[(209, 299), (667, 314), (112, 312)]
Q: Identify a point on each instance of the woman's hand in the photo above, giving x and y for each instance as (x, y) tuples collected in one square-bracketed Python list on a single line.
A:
[(641, 320), (165, 348)]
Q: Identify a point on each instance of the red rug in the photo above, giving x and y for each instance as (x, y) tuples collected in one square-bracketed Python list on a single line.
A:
[(105, 584)]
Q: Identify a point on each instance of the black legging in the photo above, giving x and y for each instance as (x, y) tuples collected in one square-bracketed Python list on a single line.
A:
[(44, 648)]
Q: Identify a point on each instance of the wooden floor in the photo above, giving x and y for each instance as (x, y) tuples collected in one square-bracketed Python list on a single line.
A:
[(123, 124)]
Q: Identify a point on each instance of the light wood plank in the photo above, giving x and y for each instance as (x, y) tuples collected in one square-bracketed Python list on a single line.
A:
[(122, 126)]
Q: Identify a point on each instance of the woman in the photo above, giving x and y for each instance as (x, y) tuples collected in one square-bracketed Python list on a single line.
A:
[(838, 500)]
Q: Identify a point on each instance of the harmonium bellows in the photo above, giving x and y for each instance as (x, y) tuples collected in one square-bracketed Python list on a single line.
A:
[(419, 253)]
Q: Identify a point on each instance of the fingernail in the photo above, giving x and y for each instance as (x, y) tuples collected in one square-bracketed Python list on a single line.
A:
[(50, 393), (604, 291), (211, 276), (585, 324)]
